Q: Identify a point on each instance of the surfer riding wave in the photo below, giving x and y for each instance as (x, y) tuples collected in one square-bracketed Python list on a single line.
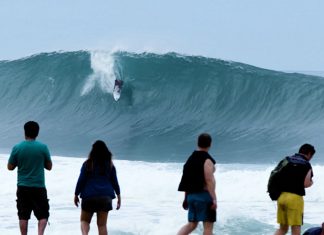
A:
[(117, 89), (119, 83)]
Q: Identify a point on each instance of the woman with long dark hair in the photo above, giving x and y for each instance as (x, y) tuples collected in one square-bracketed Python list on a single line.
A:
[(97, 185)]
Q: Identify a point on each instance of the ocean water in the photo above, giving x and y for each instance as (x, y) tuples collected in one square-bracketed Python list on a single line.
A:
[(255, 116)]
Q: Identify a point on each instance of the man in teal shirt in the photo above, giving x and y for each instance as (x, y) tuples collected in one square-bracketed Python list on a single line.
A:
[(31, 157)]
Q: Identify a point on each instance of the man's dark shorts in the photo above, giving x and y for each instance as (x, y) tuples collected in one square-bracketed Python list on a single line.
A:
[(32, 199), (96, 204), (199, 205)]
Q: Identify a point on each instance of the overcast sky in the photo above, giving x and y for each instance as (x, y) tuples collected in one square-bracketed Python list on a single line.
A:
[(274, 34)]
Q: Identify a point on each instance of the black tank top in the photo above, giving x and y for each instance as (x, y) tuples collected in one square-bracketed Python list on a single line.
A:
[(193, 178), (294, 175)]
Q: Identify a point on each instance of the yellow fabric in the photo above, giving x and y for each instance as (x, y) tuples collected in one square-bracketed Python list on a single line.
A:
[(290, 209)]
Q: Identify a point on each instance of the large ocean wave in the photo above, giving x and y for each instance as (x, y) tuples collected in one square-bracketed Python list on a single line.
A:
[(254, 115)]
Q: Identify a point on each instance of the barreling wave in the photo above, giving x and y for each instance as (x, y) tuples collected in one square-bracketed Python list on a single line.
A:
[(253, 114)]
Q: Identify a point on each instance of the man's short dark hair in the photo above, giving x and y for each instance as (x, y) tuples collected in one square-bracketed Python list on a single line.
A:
[(306, 149), (204, 140), (31, 129)]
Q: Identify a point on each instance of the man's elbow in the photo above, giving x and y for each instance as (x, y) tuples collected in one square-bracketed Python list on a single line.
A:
[(11, 167), (210, 183), (48, 166), (308, 184), (210, 179)]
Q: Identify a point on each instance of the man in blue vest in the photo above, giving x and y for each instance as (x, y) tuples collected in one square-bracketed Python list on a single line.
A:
[(198, 183)]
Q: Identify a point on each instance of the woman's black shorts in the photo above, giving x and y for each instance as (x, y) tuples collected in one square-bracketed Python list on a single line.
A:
[(96, 204)]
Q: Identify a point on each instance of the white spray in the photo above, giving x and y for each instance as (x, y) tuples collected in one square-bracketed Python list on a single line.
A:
[(102, 64)]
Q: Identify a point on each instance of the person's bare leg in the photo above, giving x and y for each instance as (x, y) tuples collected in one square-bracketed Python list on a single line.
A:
[(85, 222), (295, 230), (283, 229), (23, 225), (102, 222), (188, 228), (85, 228), (208, 228), (41, 226)]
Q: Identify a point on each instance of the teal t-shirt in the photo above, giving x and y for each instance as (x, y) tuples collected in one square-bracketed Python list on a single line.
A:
[(30, 158)]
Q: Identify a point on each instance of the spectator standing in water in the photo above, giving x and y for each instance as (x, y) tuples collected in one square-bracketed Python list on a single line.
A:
[(198, 183), (296, 176), (31, 157), (97, 185)]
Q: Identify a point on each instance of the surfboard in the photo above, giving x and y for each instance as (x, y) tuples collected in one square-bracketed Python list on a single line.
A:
[(116, 92)]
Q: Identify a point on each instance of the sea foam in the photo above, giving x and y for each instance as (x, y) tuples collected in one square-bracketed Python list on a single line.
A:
[(151, 204)]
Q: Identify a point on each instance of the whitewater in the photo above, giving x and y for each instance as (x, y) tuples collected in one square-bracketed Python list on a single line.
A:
[(151, 203), (255, 116)]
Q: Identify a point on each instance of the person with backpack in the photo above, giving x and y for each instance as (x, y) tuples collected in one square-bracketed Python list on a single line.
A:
[(294, 178)]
